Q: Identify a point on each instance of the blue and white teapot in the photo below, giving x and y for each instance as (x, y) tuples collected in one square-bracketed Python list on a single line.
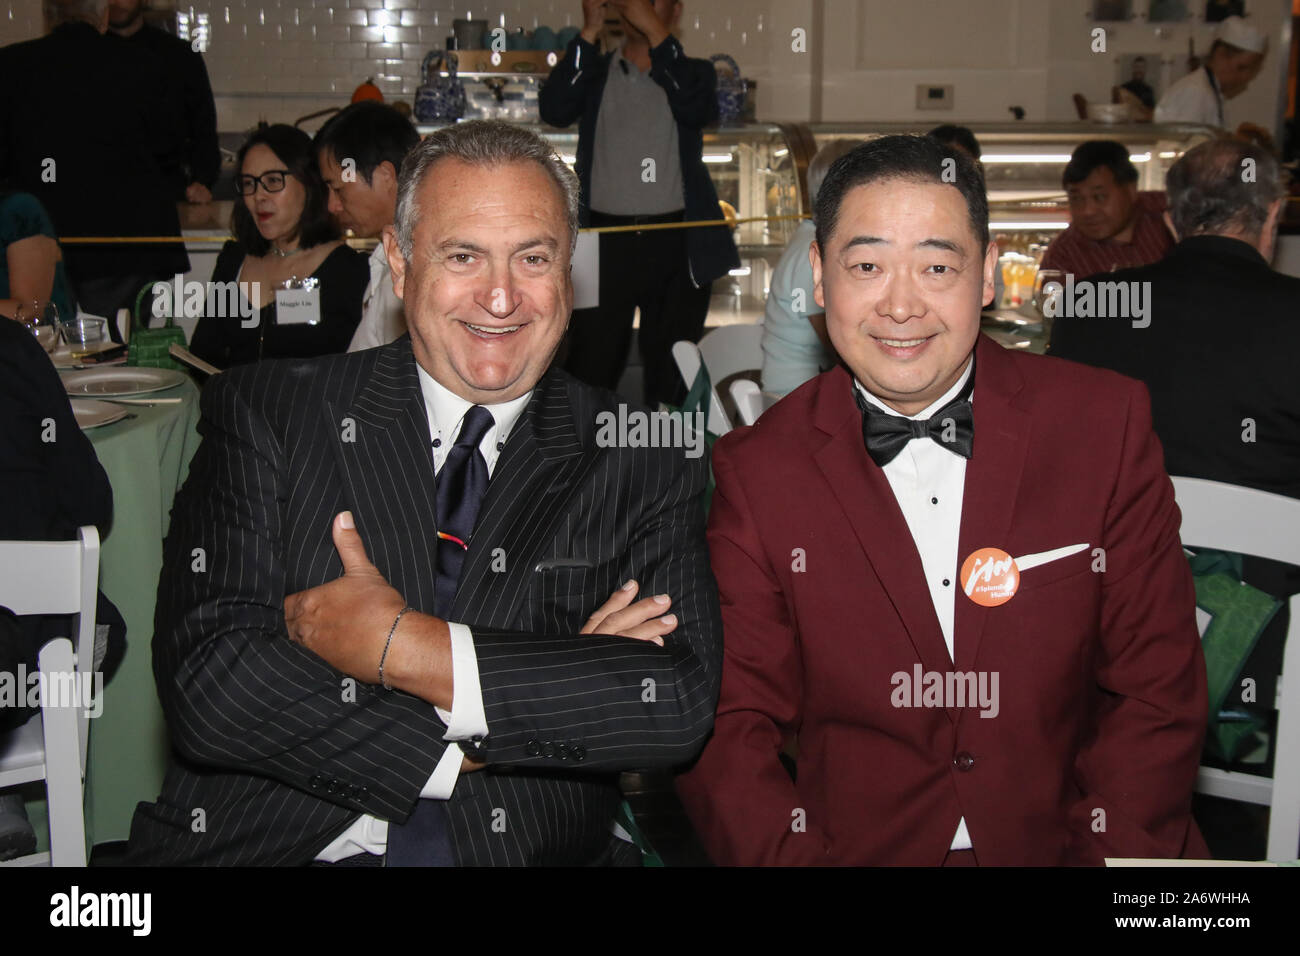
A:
[(731, 88), (439, 99)]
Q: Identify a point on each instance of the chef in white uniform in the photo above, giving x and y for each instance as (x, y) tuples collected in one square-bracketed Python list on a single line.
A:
[(1234, 60)]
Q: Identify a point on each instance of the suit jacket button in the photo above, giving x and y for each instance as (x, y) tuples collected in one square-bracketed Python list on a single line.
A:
[(316, 781), (532, 748), (332, 786), (562, 751), (579, 752), (548, 749), (964, 760)]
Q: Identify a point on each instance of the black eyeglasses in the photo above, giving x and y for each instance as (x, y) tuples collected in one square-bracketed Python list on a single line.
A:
[(272, 181)]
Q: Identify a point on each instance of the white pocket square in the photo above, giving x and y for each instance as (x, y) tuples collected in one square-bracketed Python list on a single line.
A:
[(1028, 561)]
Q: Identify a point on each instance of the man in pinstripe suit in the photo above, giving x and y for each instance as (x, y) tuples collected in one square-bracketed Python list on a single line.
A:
[(308, 526)]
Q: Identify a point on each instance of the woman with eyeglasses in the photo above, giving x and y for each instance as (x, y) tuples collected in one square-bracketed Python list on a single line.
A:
[(286, 243)]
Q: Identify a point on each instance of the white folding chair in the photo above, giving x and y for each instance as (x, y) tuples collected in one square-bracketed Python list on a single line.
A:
[(55, 577), (724, 351), (1232, 518), (748, 398)]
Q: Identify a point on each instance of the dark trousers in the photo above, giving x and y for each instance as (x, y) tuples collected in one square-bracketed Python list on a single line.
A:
[(649, 271)]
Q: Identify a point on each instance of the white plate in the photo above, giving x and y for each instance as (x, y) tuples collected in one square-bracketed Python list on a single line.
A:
[(116, 382), (92, 414)]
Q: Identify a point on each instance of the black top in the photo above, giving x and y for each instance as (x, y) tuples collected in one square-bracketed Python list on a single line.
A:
[(185, 118), (51, 483), (574, 92), (82, 146), (1219, 359), (225, 342)]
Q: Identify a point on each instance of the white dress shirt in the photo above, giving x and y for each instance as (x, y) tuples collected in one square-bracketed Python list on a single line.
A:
[(383, 318), (928, 482), (446, 412), (1193, 99)]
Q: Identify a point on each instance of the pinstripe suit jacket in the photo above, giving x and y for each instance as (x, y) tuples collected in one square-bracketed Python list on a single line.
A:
[(267, 740)]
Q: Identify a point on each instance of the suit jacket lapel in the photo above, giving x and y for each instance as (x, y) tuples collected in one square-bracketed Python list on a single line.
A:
[(385, 459), (543, 461), (992, 483), (863, 492)]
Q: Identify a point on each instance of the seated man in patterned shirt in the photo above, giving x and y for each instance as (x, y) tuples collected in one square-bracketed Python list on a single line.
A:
[(1112, 225)]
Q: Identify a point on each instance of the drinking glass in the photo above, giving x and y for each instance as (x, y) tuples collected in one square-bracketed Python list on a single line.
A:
[(42, 320)]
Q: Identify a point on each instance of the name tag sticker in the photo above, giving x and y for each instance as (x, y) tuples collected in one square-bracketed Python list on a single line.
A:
[(989, 577), (297, 306)]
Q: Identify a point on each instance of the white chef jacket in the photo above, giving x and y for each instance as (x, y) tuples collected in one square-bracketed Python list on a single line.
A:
[(1193, 99)]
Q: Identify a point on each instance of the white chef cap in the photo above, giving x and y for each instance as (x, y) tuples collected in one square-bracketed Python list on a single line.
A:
[(1237, 32)]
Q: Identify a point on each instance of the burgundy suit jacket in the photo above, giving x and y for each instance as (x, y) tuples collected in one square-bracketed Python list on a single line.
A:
[(1101, 677)]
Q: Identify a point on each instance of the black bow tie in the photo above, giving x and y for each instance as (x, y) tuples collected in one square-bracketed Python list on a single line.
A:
[(952, 426)]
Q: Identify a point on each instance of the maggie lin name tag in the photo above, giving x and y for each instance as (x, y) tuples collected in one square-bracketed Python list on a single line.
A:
[(297, 306)]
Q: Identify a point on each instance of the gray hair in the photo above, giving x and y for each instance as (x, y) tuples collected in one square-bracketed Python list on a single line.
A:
[(821, 164), (1209, 190), (59, 12), (480, 143)]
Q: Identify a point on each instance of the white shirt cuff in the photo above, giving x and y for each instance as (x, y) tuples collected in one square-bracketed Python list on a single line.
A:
[(466, 719), (443, 779)]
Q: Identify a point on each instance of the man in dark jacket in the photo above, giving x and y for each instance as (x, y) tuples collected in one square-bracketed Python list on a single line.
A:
[(1217, 347), (186, 118), (641, 112), (93, 168)]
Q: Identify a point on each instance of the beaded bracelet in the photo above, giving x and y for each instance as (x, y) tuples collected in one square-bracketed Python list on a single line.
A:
[(389, 643)]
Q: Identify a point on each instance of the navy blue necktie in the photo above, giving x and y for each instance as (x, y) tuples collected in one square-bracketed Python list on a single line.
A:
[(425, 840), (461, 484)]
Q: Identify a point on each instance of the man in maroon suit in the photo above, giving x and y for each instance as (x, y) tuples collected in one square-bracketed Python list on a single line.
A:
[(951, 572)]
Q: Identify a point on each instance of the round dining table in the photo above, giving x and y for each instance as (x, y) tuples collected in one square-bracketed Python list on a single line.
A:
[(146, 456)]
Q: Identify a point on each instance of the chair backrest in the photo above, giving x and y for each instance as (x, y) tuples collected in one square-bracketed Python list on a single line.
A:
[(729, 349), (748, 398), (57, 577), (724, 351), (1232, 518), (1264, 525), (687, 356)]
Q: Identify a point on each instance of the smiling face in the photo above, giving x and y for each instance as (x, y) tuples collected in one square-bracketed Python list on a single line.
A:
[(902, 279), (277, 215), (1101, 208), (364, 207), (487, 290)]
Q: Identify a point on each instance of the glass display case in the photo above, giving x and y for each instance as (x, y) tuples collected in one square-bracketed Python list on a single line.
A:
[(757, 170), (760, 173), (1023, 162)]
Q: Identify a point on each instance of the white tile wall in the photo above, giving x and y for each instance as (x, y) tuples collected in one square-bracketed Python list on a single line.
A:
[(280, 59)]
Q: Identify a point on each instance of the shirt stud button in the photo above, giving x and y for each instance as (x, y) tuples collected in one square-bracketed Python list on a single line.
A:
[(437, 443), (934, 501), (946, 582)]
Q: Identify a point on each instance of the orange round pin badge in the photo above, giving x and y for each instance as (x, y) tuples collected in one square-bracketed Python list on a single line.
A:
[(989, 577)]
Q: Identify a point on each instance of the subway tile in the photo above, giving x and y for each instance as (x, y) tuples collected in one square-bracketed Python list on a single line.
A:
[(353, 17), (383, 49), (417, 18), (366, 34)]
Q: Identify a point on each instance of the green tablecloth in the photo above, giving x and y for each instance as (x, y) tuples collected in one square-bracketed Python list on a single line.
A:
[(147, 459)]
